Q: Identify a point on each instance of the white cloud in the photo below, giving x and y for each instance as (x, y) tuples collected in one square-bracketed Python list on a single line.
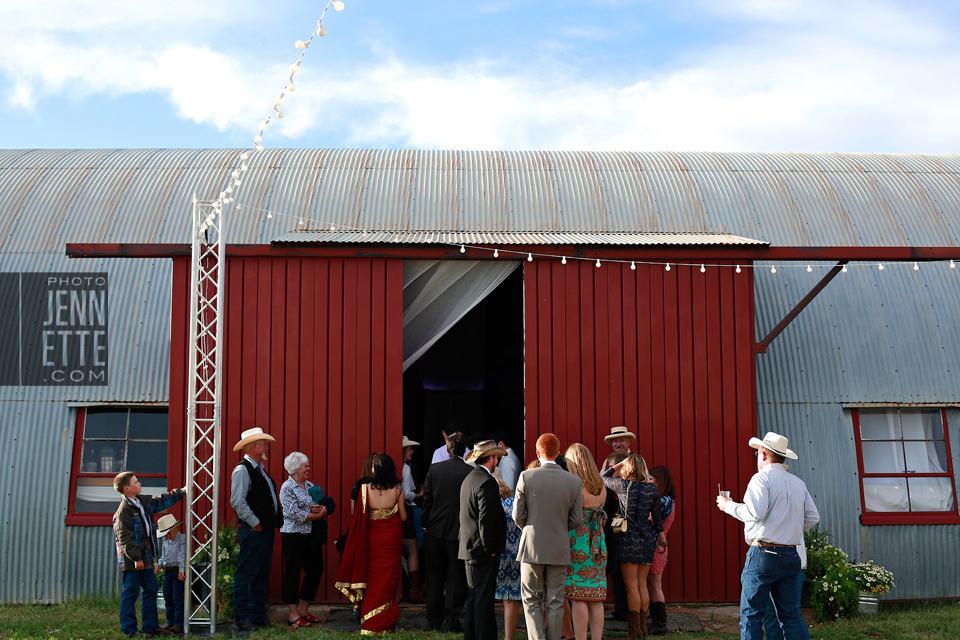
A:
[(837, 76)]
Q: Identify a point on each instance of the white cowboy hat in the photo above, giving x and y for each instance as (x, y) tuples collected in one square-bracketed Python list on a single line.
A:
[(407, 442), (485, 448), (619, 432), (774, 442), (165, 523), (251, 435)]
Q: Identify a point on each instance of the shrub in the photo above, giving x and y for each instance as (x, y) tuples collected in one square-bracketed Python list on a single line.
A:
[(828, 578), (228, 551), (872, 577)]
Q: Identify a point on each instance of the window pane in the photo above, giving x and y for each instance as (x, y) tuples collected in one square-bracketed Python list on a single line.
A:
[(148, 424), (885, 494), (926, 457), (879, 425), (921, 425), (883, 457), (931, 494), (147, 457), (105, 423), (102, 456)]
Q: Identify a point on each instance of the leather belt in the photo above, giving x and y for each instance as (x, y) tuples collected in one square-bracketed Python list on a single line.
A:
[(761, 543)]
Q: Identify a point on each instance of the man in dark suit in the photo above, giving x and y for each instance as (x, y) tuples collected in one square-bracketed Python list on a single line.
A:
[(445, 572), (483, 537)]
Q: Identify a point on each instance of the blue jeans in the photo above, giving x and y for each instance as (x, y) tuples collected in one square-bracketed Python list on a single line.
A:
[(173, 596), (771, 623), (771, 572), (133, 582), (253, 572)]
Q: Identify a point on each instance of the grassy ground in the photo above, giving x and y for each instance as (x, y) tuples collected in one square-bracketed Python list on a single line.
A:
[(97, 617)]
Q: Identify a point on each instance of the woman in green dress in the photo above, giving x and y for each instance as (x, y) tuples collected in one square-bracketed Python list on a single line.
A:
[(586, 585)]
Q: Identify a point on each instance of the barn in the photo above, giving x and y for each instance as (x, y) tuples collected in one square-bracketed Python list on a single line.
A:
[(372, 294)]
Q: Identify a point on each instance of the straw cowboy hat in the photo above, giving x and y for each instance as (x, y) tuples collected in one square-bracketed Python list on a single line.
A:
[(407, 442), (774, 442), (619, 432), (486, 448), (251, 435), (166, 523)]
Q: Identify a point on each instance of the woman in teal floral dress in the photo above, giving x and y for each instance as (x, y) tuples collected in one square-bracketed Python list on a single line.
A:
[(586, 585), (508, 577)]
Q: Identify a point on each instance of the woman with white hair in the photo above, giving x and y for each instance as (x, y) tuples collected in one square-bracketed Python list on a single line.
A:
[(302, 549)]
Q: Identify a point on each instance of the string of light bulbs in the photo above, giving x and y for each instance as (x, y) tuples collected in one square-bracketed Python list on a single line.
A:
[(325, 226), (228, 195)]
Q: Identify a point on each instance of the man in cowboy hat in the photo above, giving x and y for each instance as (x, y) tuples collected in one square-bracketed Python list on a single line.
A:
[(253, 496), (620, 439), (483, 537), (776, 510), (410, 495)]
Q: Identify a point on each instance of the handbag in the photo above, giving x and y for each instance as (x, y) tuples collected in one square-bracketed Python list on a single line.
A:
[(341, 542), (619, 522)]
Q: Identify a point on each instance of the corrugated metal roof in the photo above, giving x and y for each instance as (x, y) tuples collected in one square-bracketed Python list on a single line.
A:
[(54, 196), (491, 238)]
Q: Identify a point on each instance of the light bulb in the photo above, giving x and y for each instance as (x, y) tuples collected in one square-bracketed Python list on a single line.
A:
[(294, 67), (279, 114), (291, 87), (496, 254), (333, 228), (667, 267), (916, 267), (236, 182), (243, 167), (229, 189), (263, 125), (563, 260), (529, 257), (278, 101), (238, 207), (195, 202), (244, 157), (773, 269), (321, 31), (952, 266), (738, 268), (338, 5), (809, 269), (235, 175), (463, 249), (598, 263), (703, 268), (299, 44), (269, 216), (844, 269), (259, 147), (880, 266), (300, 223), (633, 266), (257, 139)]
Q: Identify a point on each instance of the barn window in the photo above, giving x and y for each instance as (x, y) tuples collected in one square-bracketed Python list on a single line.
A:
[(110, 440), (906, 472)]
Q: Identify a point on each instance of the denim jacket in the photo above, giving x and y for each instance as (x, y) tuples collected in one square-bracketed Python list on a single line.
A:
[(131, 533)]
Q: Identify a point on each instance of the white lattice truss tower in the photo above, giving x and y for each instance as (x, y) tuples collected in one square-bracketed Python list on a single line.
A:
[(207, 276)]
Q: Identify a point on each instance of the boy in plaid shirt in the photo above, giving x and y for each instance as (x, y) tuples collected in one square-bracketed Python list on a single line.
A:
[(136, 537)]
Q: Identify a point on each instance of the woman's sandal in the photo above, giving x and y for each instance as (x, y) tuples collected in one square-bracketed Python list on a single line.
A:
[(309, 618), (299, 622)]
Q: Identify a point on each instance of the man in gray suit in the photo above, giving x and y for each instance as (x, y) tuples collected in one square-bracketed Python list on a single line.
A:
[(548, 505)]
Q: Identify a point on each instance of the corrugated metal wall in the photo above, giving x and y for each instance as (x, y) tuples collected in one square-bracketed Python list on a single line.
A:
[(315, 352), (670, 355)]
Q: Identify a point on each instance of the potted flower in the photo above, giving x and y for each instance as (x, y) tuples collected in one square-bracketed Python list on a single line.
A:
[(872, 581)]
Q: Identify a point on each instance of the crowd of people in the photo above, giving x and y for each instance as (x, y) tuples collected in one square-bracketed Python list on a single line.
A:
[(548, 541)]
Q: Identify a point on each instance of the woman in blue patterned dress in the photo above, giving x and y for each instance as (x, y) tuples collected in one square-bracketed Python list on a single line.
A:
[(508, 578), (639, 500), (586, 584)]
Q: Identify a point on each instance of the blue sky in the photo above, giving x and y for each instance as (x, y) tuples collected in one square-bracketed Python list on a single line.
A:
[(724, 75)]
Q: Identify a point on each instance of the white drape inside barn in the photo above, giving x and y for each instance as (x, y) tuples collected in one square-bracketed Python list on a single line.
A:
[(437, 293)]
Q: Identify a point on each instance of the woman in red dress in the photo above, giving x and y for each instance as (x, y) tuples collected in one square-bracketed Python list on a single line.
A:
[(370, 567)]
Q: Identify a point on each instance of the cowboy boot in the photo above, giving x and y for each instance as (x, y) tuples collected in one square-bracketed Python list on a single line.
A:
[(415, 595), (643, 623), (633, 625), (658, 618)]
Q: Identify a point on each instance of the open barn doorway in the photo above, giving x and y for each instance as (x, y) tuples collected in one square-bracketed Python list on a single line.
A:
[(471, 379)]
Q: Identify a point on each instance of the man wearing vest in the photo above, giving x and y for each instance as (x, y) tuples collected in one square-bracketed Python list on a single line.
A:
[(253, 495)]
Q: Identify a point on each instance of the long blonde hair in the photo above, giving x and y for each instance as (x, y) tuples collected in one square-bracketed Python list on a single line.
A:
[(580, 463), (634, 468)]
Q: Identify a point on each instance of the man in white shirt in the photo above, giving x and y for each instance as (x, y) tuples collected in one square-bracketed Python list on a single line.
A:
[(442, 454), (509, 468), (776, 510)]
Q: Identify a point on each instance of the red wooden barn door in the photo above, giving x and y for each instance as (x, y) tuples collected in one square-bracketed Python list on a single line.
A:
[(314, 351), (670, 355)]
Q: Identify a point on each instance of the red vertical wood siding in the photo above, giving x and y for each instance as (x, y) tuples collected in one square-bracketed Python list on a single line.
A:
[(313, 355), (670, 355)]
